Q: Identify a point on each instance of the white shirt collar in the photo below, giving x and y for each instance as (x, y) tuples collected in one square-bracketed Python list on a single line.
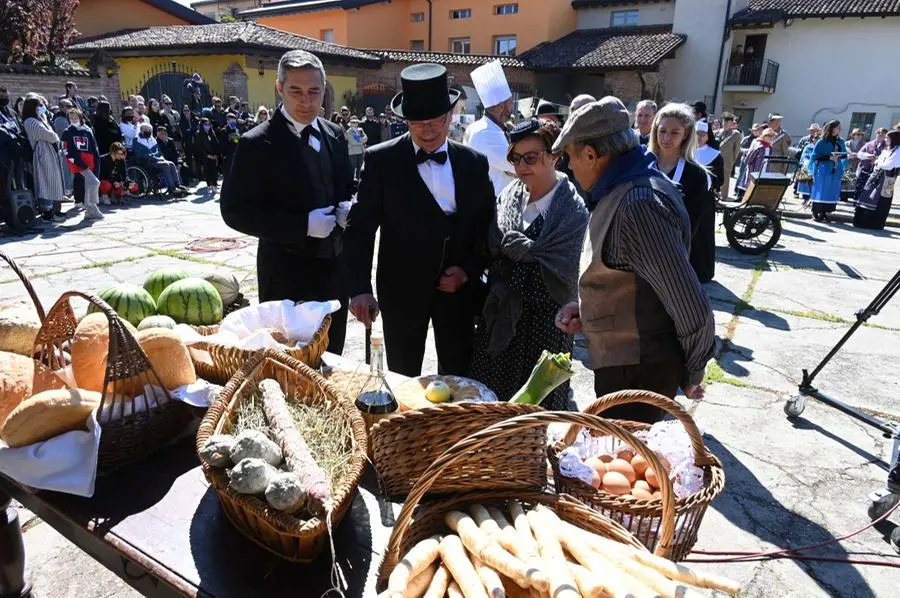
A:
[(444, 147), (299, 126), (541, 205)]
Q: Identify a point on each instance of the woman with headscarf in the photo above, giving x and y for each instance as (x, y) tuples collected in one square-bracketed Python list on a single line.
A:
[(49, 182), (874, 203), (674, 143), (106, 130), (709, 157), (535, 243), (829, 161)]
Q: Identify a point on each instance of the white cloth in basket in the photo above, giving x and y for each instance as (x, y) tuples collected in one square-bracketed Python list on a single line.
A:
[(68, 462)]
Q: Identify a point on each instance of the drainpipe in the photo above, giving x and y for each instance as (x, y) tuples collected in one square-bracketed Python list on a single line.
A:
[(725, 34), (429, 24)]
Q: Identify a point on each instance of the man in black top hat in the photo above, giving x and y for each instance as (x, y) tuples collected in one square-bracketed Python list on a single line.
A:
[(290, 184), (434, 202)]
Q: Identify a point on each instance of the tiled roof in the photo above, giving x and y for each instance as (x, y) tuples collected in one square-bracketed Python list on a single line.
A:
[(73, 70), (447, 58), (606, 49), (770, 11), (225, 35), (179, 10), (286, 7)]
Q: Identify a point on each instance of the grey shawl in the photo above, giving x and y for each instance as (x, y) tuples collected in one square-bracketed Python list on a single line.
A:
[(557, 251)]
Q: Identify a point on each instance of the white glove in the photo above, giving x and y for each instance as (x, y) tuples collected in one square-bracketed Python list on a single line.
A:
[(321, 222), (343, 211)]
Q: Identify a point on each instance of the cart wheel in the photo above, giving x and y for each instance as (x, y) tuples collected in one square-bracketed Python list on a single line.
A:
[(795, 406), (753, 230), (882, 505)]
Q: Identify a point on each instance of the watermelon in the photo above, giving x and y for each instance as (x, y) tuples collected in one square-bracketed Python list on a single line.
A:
[(130, 301), (157, 281), (156, 322), (191, 301), (227, 284)]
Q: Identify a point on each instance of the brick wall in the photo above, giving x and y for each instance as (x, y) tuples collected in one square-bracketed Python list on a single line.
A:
[(234, 82), (50, 82), (626, 85)]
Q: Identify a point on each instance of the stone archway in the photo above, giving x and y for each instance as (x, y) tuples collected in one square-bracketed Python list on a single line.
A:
[(234, 82)]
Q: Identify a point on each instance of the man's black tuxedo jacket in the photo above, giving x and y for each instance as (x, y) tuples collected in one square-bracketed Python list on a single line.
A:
[(266, 194)]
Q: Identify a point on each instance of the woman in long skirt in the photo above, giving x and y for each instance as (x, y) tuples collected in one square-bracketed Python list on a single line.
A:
[(49, 182), (867, 156), (874, 203), (535, 242), (828, 164)]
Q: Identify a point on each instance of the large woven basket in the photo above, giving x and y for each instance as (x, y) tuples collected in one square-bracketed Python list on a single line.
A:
[(418, 521), (218, 363), (284, 535), (127, 436), (641, 517), (406, 444)]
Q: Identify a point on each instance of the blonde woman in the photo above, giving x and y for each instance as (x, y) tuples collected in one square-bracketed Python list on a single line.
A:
[(673, 140)]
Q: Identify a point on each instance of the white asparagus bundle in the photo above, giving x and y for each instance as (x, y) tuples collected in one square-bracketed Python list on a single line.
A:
[(438, 586), (420, 583), (562, 584), (490, 551), (490, 578), (419, 558), (464, 575)]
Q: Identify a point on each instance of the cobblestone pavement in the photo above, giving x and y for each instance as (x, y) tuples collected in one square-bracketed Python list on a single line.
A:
[(789, 483)]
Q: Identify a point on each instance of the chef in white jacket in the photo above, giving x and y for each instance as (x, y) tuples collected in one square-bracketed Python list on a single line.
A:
[(487, 134)]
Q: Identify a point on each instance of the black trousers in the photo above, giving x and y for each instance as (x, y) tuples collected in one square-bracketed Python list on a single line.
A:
[(210, 172), (406, 329), (664, 378), (288, 276)]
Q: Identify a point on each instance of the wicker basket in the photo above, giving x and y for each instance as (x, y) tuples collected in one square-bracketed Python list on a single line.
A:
[(281, 534), (218, 363), (124, 438), (641, 516), (418, 521), (403, 446)]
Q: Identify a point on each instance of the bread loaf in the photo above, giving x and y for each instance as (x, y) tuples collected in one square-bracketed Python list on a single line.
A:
[(90, 347), (19, 325), (20, 378), (48, 414), (169, 356)]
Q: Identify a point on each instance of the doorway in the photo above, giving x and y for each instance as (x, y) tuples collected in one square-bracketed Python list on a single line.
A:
[(745, 118), (754, 57)]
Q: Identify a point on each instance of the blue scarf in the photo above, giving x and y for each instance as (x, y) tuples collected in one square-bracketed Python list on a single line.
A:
[(637, 163)]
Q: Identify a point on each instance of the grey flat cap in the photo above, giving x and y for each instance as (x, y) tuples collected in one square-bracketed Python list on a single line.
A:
[(597, 119)]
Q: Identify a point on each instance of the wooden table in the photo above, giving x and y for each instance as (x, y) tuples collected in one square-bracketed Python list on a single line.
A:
[(159, 527)]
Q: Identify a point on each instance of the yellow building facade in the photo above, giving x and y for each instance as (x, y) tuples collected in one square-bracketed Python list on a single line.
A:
[(460, 26)]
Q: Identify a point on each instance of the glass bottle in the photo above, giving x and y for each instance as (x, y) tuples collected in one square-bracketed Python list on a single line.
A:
[(380, 402)]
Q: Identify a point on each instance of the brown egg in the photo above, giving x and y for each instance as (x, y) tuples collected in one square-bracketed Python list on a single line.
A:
[(640, 465), (596, 480), (616, 483), (651, 478), (641, 493), (626, 453), (597, 465), (624, 467), (643, 485), (606, 458)]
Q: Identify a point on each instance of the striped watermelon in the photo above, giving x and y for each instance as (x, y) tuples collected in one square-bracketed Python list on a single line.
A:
[(130, 301), (157, 322), (191, 301), (157, 282), (227, 284)]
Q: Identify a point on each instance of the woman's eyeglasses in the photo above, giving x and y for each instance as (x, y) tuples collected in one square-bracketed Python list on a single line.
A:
[(529, 158)]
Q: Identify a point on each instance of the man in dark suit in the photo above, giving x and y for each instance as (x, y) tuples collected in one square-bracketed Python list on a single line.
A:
[(290, 184), (434, 202)]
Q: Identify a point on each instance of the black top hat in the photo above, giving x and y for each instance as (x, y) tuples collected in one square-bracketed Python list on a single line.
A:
[(425, 94), (547, 108)]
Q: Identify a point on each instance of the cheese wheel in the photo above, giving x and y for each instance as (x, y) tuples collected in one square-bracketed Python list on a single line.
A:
[(19, 326), (48, 414), (90, 347), (21, 378), (169, 356)]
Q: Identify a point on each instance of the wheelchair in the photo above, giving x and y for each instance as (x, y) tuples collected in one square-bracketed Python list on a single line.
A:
[(147, 180)]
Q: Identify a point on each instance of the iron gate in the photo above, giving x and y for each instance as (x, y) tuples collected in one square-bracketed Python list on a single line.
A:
[(172, 81)]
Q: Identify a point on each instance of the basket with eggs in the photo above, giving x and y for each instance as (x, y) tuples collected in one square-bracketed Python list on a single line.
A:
[(617, 480)]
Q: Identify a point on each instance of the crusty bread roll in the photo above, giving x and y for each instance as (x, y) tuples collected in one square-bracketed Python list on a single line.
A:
[(90, 347), (19, 325), (279, 336), (169, 356), (48, 414), (21, 378)]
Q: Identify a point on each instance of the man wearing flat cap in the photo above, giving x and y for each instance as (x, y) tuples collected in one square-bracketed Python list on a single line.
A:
[(644, 316), (781, 145), (434, 202)]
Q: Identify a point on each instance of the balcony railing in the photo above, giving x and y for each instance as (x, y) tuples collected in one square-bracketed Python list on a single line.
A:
[(758, 73)]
